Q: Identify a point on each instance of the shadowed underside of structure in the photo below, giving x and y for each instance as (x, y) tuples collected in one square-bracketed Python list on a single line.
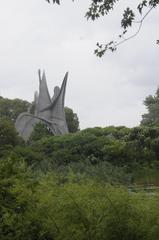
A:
[(49, 111)]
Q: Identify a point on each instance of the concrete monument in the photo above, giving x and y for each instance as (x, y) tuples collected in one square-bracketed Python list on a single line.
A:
[(49, 111)]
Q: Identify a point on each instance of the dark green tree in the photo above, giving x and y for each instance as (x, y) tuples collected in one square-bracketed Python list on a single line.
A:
[(72, 120), (11, 108), (152, 104), (131, 18), (40, 131), (8, 134)]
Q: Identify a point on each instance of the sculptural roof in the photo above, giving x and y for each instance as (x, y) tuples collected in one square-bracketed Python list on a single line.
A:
[(48, 111)]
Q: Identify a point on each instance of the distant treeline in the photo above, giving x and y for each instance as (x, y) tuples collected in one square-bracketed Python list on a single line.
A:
[(127, 148)]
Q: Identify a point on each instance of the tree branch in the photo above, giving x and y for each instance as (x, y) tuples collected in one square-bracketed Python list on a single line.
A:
[(113, 45)]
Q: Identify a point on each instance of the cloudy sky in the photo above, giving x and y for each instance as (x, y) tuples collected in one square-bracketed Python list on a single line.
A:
[(106, 91)]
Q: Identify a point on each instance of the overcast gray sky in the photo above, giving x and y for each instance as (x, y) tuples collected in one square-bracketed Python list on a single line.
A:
[(107, 91)]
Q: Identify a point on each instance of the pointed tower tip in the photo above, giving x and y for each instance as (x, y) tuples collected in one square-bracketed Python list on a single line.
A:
[(39, 74), (44, 76), (66, 75)]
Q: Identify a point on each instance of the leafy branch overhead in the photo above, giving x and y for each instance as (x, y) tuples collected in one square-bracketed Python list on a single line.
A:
[(100, 8), (54, 1)]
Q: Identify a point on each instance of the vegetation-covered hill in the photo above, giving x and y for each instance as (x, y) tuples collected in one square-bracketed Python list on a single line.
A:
[(107, 151), (75, 186)]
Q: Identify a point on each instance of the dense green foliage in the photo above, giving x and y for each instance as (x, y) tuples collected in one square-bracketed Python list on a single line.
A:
[(111, 154), (79, 186), (40, 131), (8, 134), (11, 108), (119, 146), (41, 206), (152, 104), (72, 120)]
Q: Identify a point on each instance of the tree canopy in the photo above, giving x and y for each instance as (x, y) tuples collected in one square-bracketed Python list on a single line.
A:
[(72, 120), (152, 104), (8, 134), (11, 108), (131, 17)]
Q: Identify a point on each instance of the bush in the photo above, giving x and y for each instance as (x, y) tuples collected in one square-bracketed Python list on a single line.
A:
[(8, 134), (46, 208)]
